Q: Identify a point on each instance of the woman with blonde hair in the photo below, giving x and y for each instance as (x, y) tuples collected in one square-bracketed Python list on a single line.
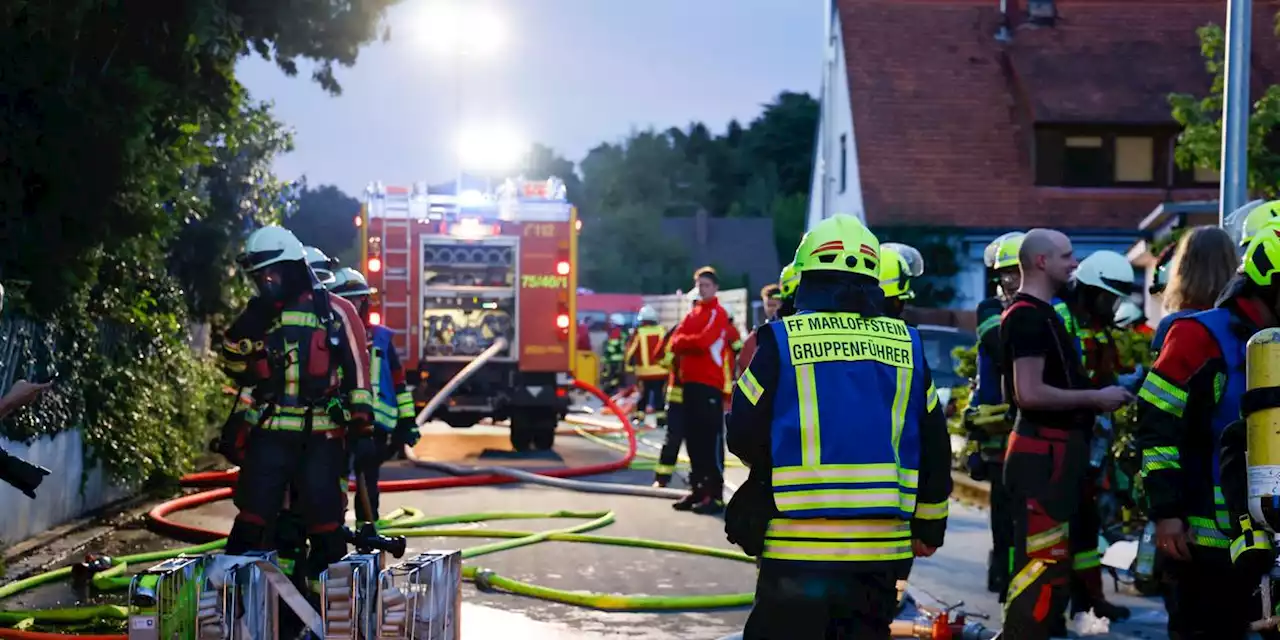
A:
[(1202, 264)]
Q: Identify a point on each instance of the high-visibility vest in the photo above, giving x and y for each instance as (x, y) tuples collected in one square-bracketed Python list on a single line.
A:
[(1207, 516), (388, 405), (645, 352), (845, 437)]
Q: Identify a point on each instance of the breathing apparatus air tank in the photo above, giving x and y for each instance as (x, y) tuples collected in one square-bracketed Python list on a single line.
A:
[(1262, 415)]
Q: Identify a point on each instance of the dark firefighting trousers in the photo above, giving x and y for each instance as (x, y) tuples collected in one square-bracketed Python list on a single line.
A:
[(803, 603), (1086, 562), (370, 470), (1001, 531), (651, 397), (704, 437), (674, 438), (314, 467), (1212, 600), (1043, 471)]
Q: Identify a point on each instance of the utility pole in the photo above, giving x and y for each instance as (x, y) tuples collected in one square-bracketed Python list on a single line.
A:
[(1234, 183)]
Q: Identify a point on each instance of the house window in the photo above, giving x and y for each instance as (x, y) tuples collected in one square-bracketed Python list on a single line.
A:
[(844, 162), (1100, 156), (1135, 160)]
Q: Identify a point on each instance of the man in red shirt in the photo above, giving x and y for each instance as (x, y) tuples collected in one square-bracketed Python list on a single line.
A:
[(699, 345)]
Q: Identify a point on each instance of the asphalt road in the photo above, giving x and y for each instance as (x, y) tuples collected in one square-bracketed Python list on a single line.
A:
[(956, 573)]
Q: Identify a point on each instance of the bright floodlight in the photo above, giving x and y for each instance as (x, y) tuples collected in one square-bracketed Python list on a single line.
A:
[(455, 27), (490, 150)]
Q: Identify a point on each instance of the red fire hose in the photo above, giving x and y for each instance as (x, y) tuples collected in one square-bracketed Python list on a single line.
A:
[(162, 524)]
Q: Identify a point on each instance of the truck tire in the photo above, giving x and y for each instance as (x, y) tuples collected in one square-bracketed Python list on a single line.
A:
[(533, 429), (544, 434)]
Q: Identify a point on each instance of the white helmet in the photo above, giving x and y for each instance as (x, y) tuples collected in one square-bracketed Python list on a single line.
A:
[(268, 246), (1106, 270), (320, 264), (647, 314), (349, 283), (1128, 314)]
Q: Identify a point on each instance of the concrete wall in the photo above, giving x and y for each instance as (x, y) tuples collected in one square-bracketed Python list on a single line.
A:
[(59, 499)]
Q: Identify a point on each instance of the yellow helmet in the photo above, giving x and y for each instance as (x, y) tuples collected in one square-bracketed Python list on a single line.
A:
[(899, 263), (840, 243), (788, 281), (1262, 256), (1002, 253), (1257, 219)]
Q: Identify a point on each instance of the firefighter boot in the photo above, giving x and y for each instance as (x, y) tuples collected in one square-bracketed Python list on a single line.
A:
[(688, 502), (1087, 594), (711, 503)]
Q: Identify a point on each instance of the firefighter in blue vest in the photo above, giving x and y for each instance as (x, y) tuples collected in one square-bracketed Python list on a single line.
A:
[(1192, 394), (393, 412), (899, 265), (838, 420), (987, 418)]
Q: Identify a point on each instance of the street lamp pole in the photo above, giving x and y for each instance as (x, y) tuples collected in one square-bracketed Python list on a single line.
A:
[(1234, 184)]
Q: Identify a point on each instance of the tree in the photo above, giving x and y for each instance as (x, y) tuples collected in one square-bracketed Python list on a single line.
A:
[(134, 160), (114, 97), (1200, 144), (326, 220), (233, 190)]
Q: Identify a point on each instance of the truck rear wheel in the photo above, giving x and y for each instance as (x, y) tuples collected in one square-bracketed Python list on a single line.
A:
[(533, 429)]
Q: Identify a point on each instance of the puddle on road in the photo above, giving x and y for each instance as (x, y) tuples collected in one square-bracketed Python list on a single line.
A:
[(485, 623)]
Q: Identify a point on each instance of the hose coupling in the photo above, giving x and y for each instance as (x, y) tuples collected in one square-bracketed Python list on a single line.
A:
[(482, 580)]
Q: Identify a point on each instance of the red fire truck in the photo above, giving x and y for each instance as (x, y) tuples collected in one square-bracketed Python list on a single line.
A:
[(454, 273)]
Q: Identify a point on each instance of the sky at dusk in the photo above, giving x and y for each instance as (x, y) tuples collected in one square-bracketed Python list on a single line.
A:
[(569, 74)]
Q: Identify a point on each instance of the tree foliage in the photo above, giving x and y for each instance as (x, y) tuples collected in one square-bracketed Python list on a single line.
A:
[(326, 220), (1200, 144), (759, 171), (134, 163)]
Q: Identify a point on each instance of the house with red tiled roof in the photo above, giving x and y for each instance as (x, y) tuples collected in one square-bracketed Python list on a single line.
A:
[(985, 116)]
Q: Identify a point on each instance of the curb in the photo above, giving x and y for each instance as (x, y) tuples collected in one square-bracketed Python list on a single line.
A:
[(970, 491), (56, 546)]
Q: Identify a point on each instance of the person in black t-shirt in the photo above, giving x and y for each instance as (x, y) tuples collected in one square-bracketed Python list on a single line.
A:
[(1049, 450)]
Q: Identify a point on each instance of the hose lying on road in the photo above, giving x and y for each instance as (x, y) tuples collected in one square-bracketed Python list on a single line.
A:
[(410, 522)]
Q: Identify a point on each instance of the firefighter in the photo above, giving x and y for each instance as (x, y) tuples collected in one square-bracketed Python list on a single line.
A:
[(779, 302), (1088, 308), (699, 341), (615, 348), (393, 411), (673, 439), (848, 451), (644, 359), (899, 265), (321, 265), (987, 418), (1193, 392), (303, 356), (1047, 459)]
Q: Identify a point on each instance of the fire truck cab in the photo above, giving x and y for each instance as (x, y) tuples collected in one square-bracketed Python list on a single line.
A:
[(454, 273)]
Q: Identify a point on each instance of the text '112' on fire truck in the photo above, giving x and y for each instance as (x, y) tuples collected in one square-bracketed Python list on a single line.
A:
[(454, 273)]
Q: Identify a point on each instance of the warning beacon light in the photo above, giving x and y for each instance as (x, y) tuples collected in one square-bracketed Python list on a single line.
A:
[(562, 321), (375, 318), (562, 268), (375, 265)]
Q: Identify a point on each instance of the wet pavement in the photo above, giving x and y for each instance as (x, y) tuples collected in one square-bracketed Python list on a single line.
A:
[(956, 573)]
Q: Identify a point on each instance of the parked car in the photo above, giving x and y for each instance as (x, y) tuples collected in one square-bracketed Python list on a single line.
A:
[(939, 343)]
